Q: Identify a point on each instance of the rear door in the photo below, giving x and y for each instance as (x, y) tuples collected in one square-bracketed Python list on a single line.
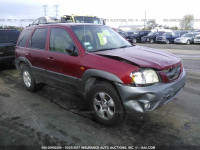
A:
[(36, 52), (63, 69)]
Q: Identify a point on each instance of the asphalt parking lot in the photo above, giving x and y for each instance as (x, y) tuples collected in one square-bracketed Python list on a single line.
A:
[(171, 46), (55, 117)]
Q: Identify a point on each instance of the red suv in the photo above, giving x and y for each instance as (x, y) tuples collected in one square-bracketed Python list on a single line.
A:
[(114, 77)]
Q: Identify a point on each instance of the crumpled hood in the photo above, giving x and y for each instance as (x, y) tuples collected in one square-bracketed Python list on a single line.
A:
[(144, 56)]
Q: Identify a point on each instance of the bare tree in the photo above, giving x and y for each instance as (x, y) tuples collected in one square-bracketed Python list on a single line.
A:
[(187, 22)]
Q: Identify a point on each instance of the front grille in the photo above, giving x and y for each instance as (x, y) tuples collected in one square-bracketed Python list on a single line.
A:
[(198, 37), (173, 73), (159, 38)]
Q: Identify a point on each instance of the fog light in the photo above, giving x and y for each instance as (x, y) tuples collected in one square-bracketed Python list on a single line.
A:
[(147, 105)]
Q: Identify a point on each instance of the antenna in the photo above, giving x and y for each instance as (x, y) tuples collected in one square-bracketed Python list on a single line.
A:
[(145, 19), (56, 6), (45, 9)]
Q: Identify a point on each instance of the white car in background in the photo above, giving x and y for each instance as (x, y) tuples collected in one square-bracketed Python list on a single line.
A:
[(197, 39), (187, 38)]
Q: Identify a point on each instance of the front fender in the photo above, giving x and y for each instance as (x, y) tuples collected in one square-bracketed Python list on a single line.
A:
[(102, 74)]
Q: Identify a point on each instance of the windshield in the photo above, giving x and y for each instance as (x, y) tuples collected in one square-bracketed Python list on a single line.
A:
[(9, 36), (97, 38), (152, 33), (187, 35), (83, 19)]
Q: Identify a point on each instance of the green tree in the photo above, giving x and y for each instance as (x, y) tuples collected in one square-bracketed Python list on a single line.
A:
[(187, 22)]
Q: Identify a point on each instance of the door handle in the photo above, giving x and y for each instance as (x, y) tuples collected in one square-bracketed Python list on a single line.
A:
[(50, 59)]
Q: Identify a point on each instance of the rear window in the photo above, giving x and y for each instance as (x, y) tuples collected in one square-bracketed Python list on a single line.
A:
[(7, 36), (38, 39), (24, 37)]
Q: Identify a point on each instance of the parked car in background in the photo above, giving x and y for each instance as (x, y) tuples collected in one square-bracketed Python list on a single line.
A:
[(113, 76), (167, 37), (197, 39), (125, 35), (151, 37), (136, 36), (130, 33), (182, 32), (44, 20), (8, 39), (187, 38)]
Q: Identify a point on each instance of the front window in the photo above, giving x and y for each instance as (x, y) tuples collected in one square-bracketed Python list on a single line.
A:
[(152, 33), (97, 38)]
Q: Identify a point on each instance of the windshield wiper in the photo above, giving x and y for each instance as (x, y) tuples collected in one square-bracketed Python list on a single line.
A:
[(104, 49), (125, 46)]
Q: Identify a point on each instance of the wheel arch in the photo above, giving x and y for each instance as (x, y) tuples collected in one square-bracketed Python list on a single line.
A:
[(22, 60), (94, 76)]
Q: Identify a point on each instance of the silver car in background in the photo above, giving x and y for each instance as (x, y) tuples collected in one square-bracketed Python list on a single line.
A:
[(197, 39), (187, 38)]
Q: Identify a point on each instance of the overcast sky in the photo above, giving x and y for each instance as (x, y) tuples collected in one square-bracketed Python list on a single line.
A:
[(109, 9)]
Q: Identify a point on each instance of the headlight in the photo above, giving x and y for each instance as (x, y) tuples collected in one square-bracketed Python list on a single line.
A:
[(146, 76)]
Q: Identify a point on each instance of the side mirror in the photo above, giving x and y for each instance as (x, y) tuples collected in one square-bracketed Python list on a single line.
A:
[(71, 50)]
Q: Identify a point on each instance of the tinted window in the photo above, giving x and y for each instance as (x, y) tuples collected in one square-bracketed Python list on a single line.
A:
[(59, 39), (38, 39), (24, 37), (7, 36)]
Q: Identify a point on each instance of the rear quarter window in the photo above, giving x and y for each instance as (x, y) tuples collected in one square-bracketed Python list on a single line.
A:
[(24, 37)]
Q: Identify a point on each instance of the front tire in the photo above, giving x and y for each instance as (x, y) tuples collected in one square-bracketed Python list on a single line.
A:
[(134, 41), (167, 41), (188, 42), (105, 104), (151, 41), (29, 80)]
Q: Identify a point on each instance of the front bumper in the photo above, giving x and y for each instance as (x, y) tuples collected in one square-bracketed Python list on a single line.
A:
[(137, 98), (180, 42), (196, 41), (161, 41)]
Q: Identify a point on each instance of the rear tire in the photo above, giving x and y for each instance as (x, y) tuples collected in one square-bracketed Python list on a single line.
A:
[(29, 80), (105, 104)]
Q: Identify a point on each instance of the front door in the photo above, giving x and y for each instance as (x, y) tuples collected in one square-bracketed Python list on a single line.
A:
[(62, 68)]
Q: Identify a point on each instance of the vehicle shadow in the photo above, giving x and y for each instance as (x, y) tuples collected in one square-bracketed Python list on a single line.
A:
[(6, 67)]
